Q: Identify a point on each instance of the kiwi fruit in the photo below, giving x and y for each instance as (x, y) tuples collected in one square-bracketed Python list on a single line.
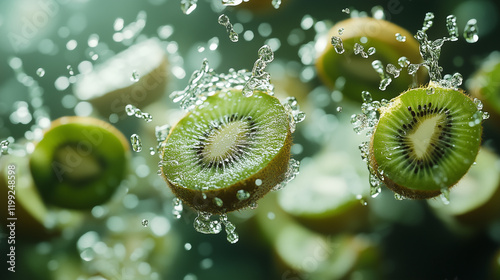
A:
[(228, 152), (137, 76), (79, 162), (358, 71), (426, 139), (475, 200), (485, 85)]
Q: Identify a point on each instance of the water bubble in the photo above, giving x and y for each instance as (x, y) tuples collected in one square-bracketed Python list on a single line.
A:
[(218, 201), (470, 31), (451, 25), (188, 6), (486, 115), (242, 195), (136, 142), (258, 182), (152, 151), (341, 31), (130, 109), (400, 38), (337, 44), (188, 246), (177, 208), (203, 224), (339, 109), (40, 72), (478, 103), (371, 50), (413, 68), (70, 70), (393, 70), (144, 222), (367, 97), (346, 10)]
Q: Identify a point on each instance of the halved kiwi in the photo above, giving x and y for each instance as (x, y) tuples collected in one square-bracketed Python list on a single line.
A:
[(79, 163), (137, 76), (228, 152), (358, 72), (425, 141), (475, 200)]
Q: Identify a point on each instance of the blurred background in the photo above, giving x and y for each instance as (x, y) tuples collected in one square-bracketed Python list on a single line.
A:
[(48, 47)]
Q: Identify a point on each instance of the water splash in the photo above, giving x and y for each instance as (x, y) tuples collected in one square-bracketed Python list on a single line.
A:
[(293, 111), (385, 80), (259, 77), (224, 21), (451, 25), (359, 49)]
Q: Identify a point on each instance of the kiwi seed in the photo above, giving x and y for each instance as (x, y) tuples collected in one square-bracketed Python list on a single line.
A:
[(79, 163), (425, 143), (228, 152)]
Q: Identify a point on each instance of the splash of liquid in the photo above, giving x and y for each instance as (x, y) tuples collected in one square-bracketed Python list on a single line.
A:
[(260, 78), (224, 21)]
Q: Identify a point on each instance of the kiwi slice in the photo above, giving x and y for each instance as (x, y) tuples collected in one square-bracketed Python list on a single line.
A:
[(485, 85), (228, 152), (79, 163), (475, 200), (358, 71), (137, 76), (426, 140)]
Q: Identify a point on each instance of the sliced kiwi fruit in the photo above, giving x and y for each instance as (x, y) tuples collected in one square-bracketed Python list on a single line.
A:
[(228, 152), (426, 140), (137, 76), (357, 71), (475, 200), (79, 162), (485, 85)]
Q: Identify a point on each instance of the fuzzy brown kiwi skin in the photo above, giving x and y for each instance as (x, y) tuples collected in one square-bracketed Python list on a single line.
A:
[(402, 190), (271, 175)]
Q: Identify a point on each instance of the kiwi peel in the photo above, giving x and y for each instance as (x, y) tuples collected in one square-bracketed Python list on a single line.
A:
[(358, 72), (425, 141), (79, 163), (228, 152)]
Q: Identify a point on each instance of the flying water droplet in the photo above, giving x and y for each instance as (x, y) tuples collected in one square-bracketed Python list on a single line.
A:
[(359, 49), (224, 21), (188, 6), (337, 44), (451, 25), (260, 79), (232, 236), (403, 61), (371, 50), (40, 72), (375, 185), (177, 208), (428, 21), (393, 70), (339, 109), (136, 142), (341, 31), (144, 222), (346, 10), (470, 31), (87, 254), (276, 3), (367, 97), (400, 38)]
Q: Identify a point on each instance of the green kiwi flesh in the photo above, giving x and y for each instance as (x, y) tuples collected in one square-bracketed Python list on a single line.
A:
[(424, 143), (79, 163), (229, 146)]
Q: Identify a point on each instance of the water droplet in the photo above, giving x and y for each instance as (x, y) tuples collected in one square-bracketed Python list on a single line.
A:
[(258, 182), (87, 254), (397, 196), (276, 3), (451, 25), (242, 195), (486, 115), (188, 6), (135, 76), (144, 222), (188, 246), (470, 31), (445, 195), (337, 44), (367, 97), (413, 68), (403, 61), (136, 142), (375, 185), (224, 20), (371, 50), (4, 147), (70, 70), (40, 72), (130, 109), (393, 70), (339, 109), (359, 49), (431, 90), (346, 10), (203, 224), (428, 21), (232, 236), (218, 201), (260, 79), (177, 208), (152, 151), (400, 38)]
